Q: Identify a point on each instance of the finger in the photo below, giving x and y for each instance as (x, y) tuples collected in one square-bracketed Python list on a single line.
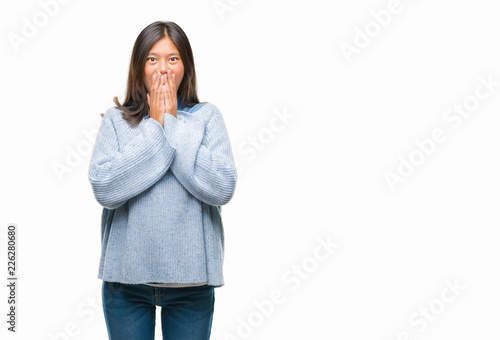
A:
[(160, 81), (171, 85), (157, 81), (152, 93), (158, 96), (154, 82), (167, 84), (163, 98), (170, 78), (159, 84), (155, 93), (174, 87)]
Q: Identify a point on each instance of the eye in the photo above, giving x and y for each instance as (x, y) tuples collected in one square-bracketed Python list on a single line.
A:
[(151, 58), (173, 58)]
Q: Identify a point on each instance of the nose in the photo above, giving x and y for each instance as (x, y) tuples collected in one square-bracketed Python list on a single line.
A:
[(162, 67)]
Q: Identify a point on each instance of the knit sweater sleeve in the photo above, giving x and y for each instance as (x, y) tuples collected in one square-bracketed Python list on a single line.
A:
[(121, 170), (203, 162)]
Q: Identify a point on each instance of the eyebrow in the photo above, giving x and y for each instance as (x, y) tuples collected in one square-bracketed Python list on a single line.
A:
[(169, 54)]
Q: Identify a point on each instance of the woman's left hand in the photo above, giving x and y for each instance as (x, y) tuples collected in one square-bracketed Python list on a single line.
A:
[(171, 94)]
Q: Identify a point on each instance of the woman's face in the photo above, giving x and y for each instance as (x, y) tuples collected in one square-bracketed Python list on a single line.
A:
[(162, 57)]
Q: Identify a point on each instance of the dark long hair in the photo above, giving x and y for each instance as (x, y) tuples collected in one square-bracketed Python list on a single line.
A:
[(135, 106)]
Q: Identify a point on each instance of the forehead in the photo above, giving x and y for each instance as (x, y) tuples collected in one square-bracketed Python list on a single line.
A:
[(164, 46)]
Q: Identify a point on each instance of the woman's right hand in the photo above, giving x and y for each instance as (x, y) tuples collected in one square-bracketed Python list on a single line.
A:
[(156, 101)]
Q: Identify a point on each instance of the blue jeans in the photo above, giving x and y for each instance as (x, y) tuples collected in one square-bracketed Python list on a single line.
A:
[(130, 311)]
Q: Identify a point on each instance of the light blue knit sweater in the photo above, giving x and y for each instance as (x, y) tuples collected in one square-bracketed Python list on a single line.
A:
[(162, 189)]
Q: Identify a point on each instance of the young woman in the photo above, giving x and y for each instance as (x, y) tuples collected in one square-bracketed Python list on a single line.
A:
[(162, 167)]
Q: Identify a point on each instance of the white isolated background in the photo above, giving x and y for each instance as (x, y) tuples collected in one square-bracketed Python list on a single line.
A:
[(316, 176)]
